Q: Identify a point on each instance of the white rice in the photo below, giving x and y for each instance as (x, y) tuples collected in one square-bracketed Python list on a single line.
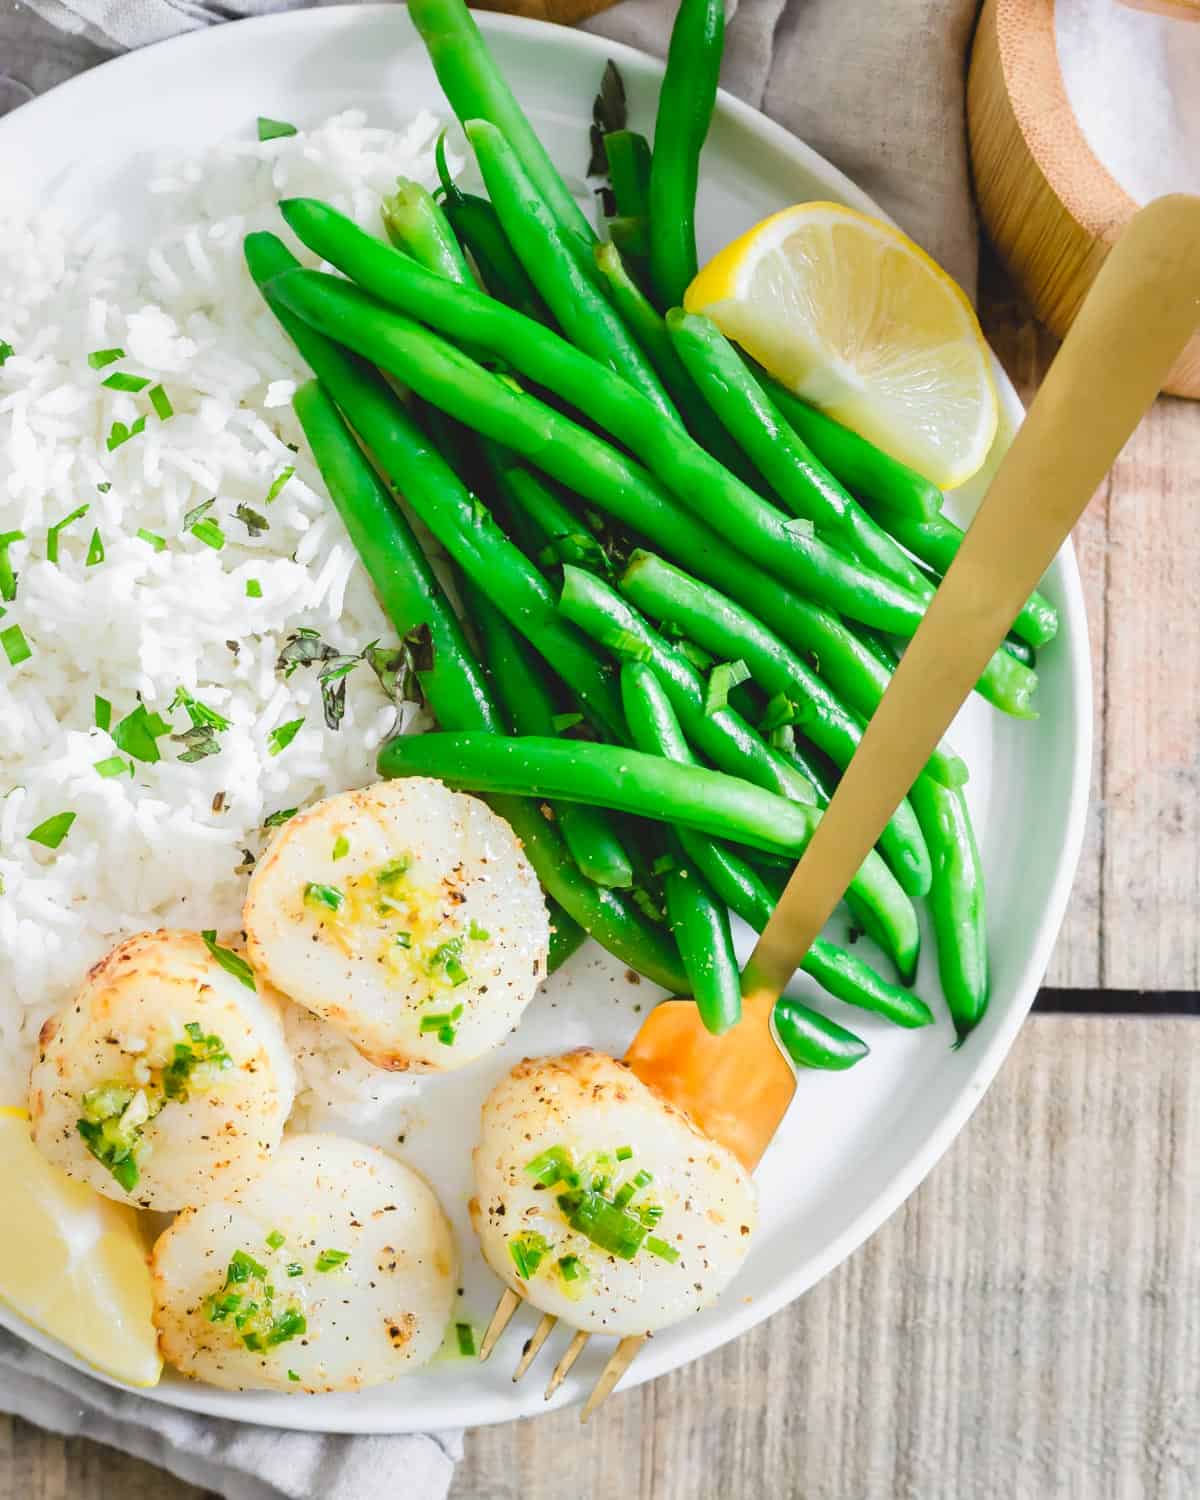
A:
[(151, 849)]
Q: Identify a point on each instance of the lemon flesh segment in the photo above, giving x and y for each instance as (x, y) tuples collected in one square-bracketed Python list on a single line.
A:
[(73, 1263), (852, 315)]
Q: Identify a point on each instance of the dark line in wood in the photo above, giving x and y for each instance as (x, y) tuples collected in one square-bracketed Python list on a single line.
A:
[(1118, 1002)]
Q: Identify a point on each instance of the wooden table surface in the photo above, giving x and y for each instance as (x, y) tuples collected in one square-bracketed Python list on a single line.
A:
[(921, 1369)]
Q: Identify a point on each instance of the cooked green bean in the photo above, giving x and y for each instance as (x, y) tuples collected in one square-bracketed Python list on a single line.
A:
[(628, 154), (956, 902), (517, 679), (552, 264), (648, 327), (477, 90), (813, 1040), (864, 469), (685, 106), (566, 936), (414, 222)]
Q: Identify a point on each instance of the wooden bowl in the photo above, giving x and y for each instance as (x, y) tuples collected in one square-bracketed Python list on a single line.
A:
[(1049, 204)]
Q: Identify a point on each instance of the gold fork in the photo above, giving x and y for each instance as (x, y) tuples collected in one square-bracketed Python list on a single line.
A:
[(1139, 314)]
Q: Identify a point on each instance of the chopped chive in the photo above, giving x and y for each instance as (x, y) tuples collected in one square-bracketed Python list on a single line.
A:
[(271, 130), (329, 1260), (102, 712), (114, 765), (466, 1340), (95, 551), (643, 1178), (565, 721), (323, 895), (275, 1239), (294, 1268), (780, 711), (190, 517), (210, 534), (278, 483), (52, 832), (528, 1249), (478, 934), (98, 358), (121, 434), (151, 538), (292, 1375), (280, 738), (341, 846), (161, 403), (122, 382), (279, 818), (723, 678), (6, 351), (104, 487), (394, 871), (570, 1267), (8, 579), (52, 532), (16, 647), (437, 1023), (253, 588), (403, 940), (660, 1248), (623, 1153), (233, 963), (551, 1166)]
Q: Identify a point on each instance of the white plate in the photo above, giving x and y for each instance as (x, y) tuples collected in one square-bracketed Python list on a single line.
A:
[(854, 1145)]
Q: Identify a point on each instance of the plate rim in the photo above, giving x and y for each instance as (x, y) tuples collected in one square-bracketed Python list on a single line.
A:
[(738, 1317)]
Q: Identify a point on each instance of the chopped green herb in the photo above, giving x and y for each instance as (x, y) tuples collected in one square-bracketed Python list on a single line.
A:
[(95, 551), (323, 895), (466, 1339), (611, 1228), (280, 738), (330, 1260), (663, 865), (233, 963), (138, 733), (478, 934), (51, 833), (199, 713), (16, 647), (341, 846), (294, 1268), (151, 538), (528, 1250), (161, 403), (551, 1166), (625, 644), (253, 589), (278, 483), (279, 818), (197, 512), (254, 523), (104, 487), (393, 872), (98, 358), (6, 352), (52, 532), (195, 1065), (122, 434), (114, 765), (210, 534), (574, 1274), (443, 1025), (260, 1325), (122, 382), (8, 579), (292, 1375), (447, 957), (623, 1153), (779, 711), (660, 1248), (721, 680), (646, 904), (102, 712), (271, 130), (275, 1239), (111, 1128), (403, 940), (565, 721)]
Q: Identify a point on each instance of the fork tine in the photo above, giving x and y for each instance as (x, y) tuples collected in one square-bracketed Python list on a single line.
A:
[(562, 1368), (623, 1356), (501, 1318), (540, 1334)]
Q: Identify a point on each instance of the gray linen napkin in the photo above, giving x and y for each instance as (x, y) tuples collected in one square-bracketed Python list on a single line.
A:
[(878, 90)]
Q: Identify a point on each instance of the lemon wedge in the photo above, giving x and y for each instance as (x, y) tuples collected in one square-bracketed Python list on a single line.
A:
[(852, 315), (73, 1263)]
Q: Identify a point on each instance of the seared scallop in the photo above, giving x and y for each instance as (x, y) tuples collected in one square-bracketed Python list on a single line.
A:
[(167, 1080), (599, 1202), (334, 1271), (406, 915)]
